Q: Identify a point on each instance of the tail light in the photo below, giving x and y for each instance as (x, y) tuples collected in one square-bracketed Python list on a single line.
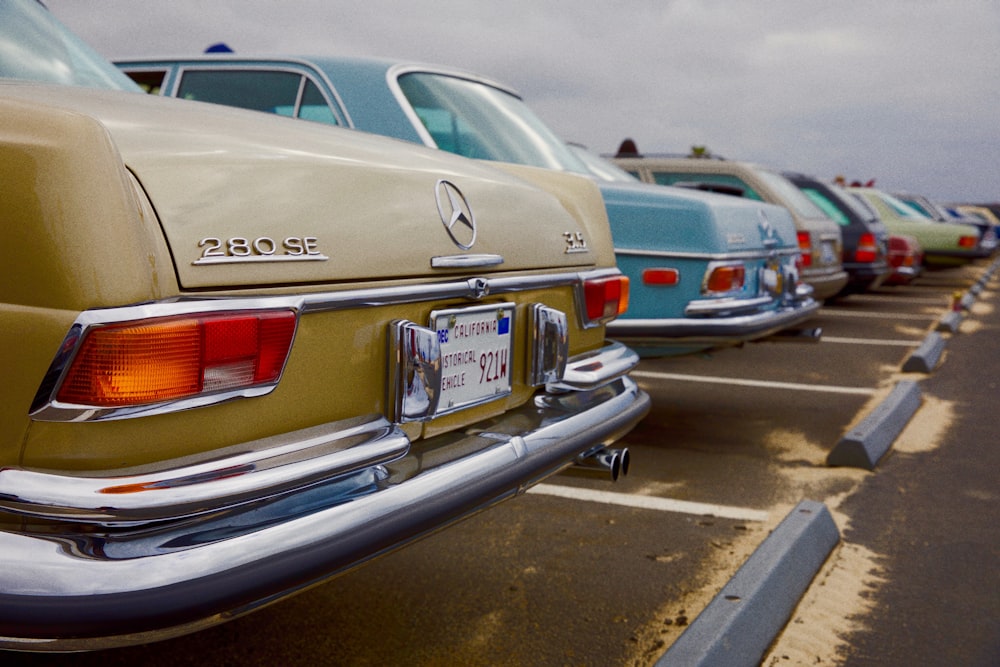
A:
[(867, 250), (660, 276), (605, 298), (968, 241), (805, 248), (727, 278), (168, 359)]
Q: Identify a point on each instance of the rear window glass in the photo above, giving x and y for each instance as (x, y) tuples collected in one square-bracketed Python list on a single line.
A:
[(278, 92), (826, 206), (668, 178)]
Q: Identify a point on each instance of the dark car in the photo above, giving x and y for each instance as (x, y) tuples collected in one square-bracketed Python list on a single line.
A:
[(866, 239)]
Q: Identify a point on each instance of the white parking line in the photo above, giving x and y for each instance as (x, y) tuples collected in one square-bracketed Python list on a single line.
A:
[(650, 502), (869, 341), (830, 389), (895, 298), (880, 316)]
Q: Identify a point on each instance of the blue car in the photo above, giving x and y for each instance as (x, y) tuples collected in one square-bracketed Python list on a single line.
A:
[(706, 270)]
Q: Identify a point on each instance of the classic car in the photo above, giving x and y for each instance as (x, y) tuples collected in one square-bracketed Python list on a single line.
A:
[(819, 238), (865, 237), (705, 271), (941, 213), (244, 354), (906, 258), (981, 212), (944, 245)]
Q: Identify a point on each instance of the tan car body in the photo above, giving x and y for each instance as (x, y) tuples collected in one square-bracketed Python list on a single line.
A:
[(109, 198)]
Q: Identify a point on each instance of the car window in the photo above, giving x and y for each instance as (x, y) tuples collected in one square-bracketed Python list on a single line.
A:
[(668, 178), (827, 206), (149, 80), (604, 170), (864, 204), (902, 209), (315, 107), (36, 47), (477, 120), (791, 196), (278, 92)]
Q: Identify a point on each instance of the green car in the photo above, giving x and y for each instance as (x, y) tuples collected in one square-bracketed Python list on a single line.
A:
[(944, 244)]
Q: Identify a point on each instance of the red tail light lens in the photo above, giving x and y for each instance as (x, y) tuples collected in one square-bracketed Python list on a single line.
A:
[(661, 276), (605, 298), (726, 278), (805, 248), (150, 361), (867, 250), (968, 241)]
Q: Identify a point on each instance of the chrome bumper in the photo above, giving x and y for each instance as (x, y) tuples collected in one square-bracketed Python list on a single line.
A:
[(712, 331), (91, 563)]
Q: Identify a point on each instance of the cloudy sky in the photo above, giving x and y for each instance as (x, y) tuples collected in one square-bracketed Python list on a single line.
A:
[(903, 91)]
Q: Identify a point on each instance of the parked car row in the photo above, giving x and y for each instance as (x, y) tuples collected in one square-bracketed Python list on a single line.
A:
[(705, 271), (247, 352)]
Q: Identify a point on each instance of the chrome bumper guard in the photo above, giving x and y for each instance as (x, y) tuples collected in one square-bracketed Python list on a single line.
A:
[(95, 562), (717, 330)]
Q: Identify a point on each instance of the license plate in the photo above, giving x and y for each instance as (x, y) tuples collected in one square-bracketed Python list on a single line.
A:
[(477, 354), (773, 278), (828, 252)]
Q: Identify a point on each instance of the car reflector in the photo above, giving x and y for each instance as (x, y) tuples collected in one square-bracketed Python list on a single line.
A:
[(661, 276), (968, 242)]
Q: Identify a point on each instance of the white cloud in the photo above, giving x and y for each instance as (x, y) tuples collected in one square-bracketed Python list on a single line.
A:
[(900, 90)]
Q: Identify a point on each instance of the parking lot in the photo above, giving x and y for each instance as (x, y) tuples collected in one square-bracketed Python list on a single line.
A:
[(584, 572)]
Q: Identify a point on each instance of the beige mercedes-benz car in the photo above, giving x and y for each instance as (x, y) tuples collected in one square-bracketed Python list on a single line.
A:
[(244, 353)]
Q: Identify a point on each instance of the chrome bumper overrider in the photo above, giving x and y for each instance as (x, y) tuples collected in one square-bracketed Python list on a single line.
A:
[(717, 330), (94, 562)]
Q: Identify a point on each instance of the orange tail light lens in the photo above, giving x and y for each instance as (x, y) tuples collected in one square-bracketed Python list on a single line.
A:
[(805, 248), (968, 242), (150, 361), (726, 279), (605, 298)]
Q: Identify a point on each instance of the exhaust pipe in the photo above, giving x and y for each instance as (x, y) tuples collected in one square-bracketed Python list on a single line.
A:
[(795, 336), (609, 463)]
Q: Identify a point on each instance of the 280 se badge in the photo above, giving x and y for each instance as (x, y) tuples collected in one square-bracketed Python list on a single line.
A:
[(262, 249)]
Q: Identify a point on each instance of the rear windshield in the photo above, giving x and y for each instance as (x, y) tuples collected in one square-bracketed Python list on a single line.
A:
[(34, 46)]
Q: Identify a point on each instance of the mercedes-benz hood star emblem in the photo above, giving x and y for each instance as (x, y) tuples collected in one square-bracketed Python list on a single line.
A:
[(455, 214)]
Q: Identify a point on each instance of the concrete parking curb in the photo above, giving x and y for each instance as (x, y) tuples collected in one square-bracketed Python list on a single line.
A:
[(925, 358), (742, 621), (950, 321), (868, 442)]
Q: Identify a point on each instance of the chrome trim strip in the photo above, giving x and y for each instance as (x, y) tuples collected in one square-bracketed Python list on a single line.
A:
[(46, 408), (61, 591), (719, 256), (465, 261), (596, 368), (190, 487), (728, 305), (713, 331)]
